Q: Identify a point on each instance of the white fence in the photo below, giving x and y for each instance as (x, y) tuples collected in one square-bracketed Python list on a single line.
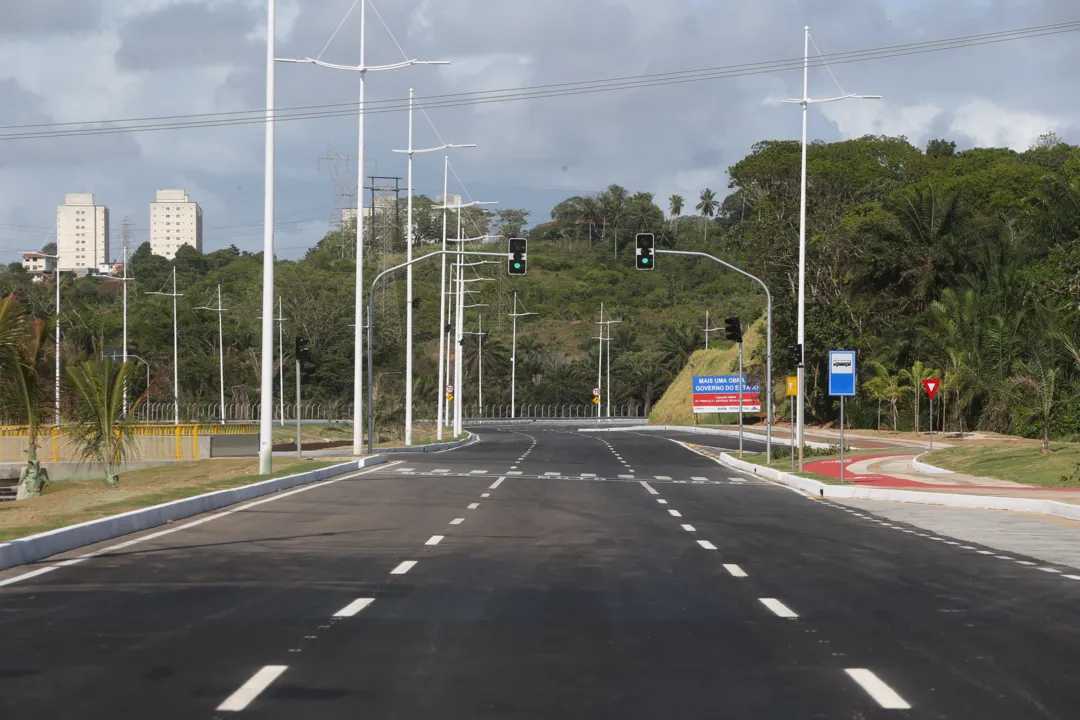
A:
[(631, 410), (241, 412)]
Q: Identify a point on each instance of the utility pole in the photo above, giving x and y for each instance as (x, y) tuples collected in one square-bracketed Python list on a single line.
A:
[(362, 69), (175, 345), (708, 329), (280, 320), (266, 377), (126, 228), (513, 358), (479, 363), (605, 323), (221, 349)]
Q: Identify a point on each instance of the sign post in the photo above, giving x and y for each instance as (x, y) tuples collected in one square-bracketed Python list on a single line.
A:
[(842, 384), (792, 391), (931, 386)]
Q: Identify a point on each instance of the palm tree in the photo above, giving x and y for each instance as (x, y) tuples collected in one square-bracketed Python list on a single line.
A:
[(647, 376), (707, 207), (675, 206), (914, 377), (677, 344), (102, 431), (643, 213), (26, 394), (884, 386)]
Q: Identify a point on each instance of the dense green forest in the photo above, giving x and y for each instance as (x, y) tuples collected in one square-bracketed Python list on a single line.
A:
[(929, 262)]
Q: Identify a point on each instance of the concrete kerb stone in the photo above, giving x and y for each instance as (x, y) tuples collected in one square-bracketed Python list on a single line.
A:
[(755, 436), (927, 469), (43, 545), (853, 492)]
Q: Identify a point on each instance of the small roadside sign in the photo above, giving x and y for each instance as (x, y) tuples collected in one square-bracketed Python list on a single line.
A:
[(842, 373), (449, 397), (596, 400), (449, 389), (792, 385), (931, 385), (596, 392)]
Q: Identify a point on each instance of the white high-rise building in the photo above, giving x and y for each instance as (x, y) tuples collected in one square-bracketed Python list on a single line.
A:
[(175, 220), (82, 232)]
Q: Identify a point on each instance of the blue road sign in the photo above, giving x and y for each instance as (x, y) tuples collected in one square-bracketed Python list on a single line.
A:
[(842, 373)]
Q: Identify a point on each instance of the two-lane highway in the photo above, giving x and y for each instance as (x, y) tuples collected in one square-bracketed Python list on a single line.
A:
[(542, 572)]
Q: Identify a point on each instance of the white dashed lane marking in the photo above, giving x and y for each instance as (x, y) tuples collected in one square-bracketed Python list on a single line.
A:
[(882, 694), (478, 472), (403, 567), (663, 477), (251, 689), (699, 479), (435, 539), (473, 506), (778, 608), (735, 571), (689, 528), (354, 607), (457, 521), (647, 486), (496, 484), (674, 513), (706, 544)]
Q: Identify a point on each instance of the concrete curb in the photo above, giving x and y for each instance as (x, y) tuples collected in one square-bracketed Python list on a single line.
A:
[(849, 492), (43, 545), (754, 436), (928, 469), (432, 448)]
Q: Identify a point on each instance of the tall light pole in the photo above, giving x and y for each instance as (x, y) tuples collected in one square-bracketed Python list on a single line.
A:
[(56, 281), (408, 256), (221, 348), (175, 348), (363, 70), (479, 364), (708, 329), (147, 369), (805, 102), (606, 323), (459, 339), (513, 358), (281, 361), (266, 379), (442, 409)]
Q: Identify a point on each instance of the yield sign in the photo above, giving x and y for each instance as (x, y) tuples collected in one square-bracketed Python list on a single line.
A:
[(931, 387)]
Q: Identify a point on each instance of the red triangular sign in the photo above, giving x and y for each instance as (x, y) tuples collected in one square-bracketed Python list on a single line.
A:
[(931, 387)]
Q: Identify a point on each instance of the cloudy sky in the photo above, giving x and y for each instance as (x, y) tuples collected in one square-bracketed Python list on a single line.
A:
[(89, 60)]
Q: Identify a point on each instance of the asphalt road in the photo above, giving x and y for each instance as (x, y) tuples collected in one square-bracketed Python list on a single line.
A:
[(529, 576)]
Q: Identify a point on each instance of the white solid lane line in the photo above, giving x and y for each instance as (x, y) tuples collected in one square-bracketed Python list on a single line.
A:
[(354, 607), (884, 695), (647, 486), (674, 513), (473, 506), (251, 689), (706, 544), (778, 608), (27, 576), (457, 521), (689, 528), (735, 570), (435, 539), (496, 484), (403, 567)]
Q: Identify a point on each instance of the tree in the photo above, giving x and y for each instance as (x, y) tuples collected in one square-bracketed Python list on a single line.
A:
[(941, 148), (511, 222), (675, 206), (101, 430), (914, 377), (884, 386), (707, 206), (677, 344)]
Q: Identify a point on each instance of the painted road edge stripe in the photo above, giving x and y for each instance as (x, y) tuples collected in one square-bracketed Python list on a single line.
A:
[(884, 695), (354, 607), (251, 689), (403, 567), (778, 608)]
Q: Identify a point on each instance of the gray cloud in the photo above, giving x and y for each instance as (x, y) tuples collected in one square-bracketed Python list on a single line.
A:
[(50, 17), (188, 34)]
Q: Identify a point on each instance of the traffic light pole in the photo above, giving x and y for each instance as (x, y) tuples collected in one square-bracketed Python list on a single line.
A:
[(371, 324), (742, 389), (768, 338), (299, 452)]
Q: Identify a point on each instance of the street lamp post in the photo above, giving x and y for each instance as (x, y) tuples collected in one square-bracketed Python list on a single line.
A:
[(606, 324), (221, 348), (56, 281), (513, 358), (805, 102), (175, 350), (363, 70), (408, 256), (266, 376), (132, 355)]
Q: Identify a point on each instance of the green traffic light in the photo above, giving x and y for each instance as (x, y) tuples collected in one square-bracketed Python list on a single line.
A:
[(644, 261), (517, 266)]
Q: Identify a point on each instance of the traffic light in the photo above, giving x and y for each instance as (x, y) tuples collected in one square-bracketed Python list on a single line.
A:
[(517, 262), (733, 329), (795, 354), (645, 257), (416, 303), (303, 351)]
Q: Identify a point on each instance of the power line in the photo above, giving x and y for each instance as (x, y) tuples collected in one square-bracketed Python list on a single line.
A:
[(310, 112)]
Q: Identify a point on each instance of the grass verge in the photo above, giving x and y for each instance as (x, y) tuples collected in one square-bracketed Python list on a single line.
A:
[(1016, 461), (76, 501)]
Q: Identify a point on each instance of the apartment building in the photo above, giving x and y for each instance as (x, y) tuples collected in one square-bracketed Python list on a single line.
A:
[(175, 220), (82, 232)]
